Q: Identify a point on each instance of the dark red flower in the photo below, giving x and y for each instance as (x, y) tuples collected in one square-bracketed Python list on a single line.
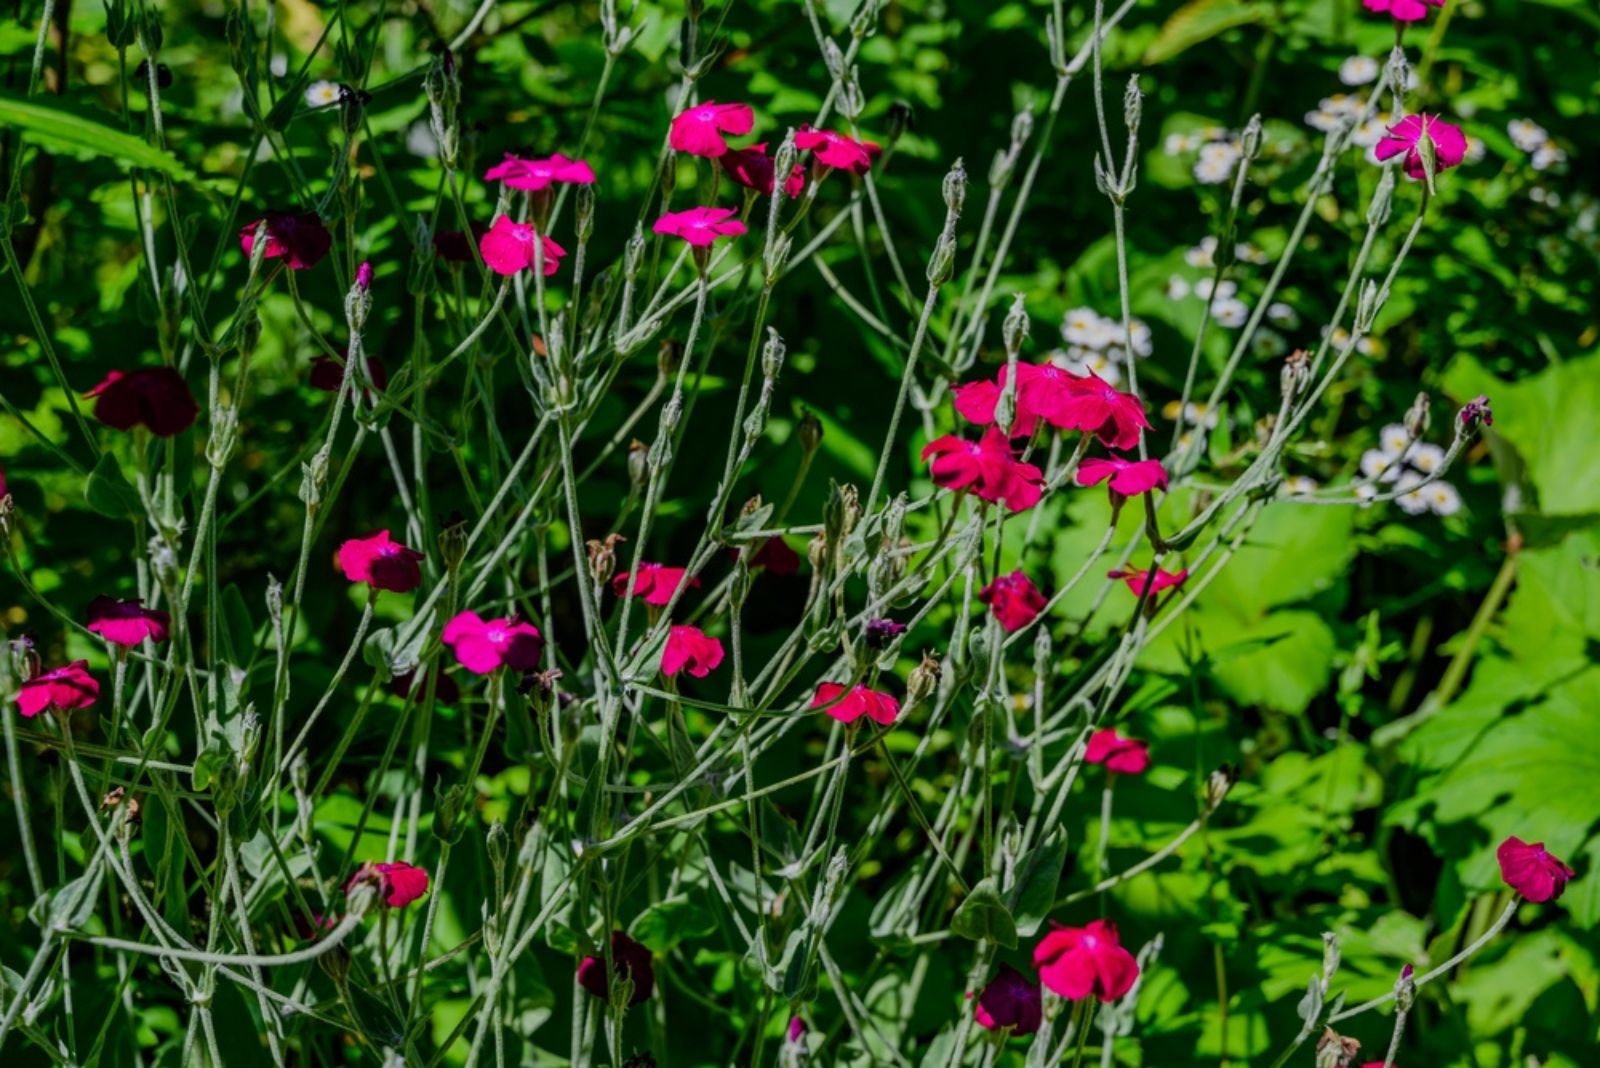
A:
[(1161, 580), (1076, 962), (299, 240), (628, 958), (455, 246), (381, 562), (65, 689), (689, 648), (327, 374), (1127, 756), (127, 623), (655, 585), (833, 149), (776, 556), (987, 468), (1010, 1000), (1014, 600), (880, 632), (753, 168), (860, 701), (398, 883), (445, 691), (1094, 405), (156, 397), (1531, 871)]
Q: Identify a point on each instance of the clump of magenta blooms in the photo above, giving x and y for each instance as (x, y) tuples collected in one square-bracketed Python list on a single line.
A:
[(666, 670)]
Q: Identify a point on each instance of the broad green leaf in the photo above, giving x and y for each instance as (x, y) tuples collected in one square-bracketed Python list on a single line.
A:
[(63, 129), (108, 491), (1036, 887), (666, 923), (1197, 21), (984, 917)]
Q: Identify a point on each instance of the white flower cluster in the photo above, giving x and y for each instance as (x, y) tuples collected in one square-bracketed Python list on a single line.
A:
[(1404, 464), (1098, 345), (1530, 137), (1218, 151)]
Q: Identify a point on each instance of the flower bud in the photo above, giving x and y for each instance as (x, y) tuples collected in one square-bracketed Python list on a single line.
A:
[(923, 681), (224, 435), (1476, 413), (776, 257), (817, 551), (810, 431), (900, 119), (669, 176), (941, 265), (772, 354), (1405, 990), (1015, 329), (1132, 105), (637, 463), (1043, 652), (1295, 374), (1336, 1051), (955, 188), (497, 843), (603, 557), (1382, 198), (840, 514), (633, 255), (453, 540), (1021, 128), (583, 209), (442, 84), (1218, 783), (1330, 958), (1250, 140), (448, 826), (1366, 309), (1417, 418)]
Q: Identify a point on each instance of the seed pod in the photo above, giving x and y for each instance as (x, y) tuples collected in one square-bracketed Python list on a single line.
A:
[(810, 431)]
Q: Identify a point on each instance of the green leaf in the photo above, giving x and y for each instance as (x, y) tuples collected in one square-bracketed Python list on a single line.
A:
[(109, 493), (62, 129), (1036, 889), (666, 923), (1199, 21), (984, 917)]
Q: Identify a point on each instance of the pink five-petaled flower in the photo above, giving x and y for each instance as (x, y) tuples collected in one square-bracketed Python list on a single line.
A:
[(127, 623), (1127, 477), (689, 648), (753, 168), (508, 247), (398, 883), (1126, 756), (1403, 10), (1162, 580), (299, 240), (1531, 871), (627, 958), (156, 397), (655, 584), (858, 702), (700, 227), (699, 130), (1076, 962), (1449, 144), (1095, 405), (533, 175), (835, 150), (64, 689), (1010, 1000), (987, 467), (1014, 600), (381, 562), (482, 645)]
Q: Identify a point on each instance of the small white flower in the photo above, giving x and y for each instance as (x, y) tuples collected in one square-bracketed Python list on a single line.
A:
[(1297, 486), (1425, 457), (1358, 70), (1096, 363), (1140, 340), (1080, 325), (1249, 253), (1527, 134), (1442, 498), (1548, 155), (1214, 171), (1323, 120), (1177, 144), (1230, 312), (1476, 150), (1412, 501), (1203, 289), (1201, 255), (1394, 438), (1268, 343), (1370, 132), (1221, 150), (1283, 315), (1369, 346), (1366, 492), (1379, 465), (1104, 334), (278, 65), (1177, 287), (321, 94)]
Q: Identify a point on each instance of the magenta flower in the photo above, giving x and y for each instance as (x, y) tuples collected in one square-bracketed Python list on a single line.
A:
[(156, 397), (1094, 405), (700, 226), (699, 130), (655, 585), (533, 175), (381, 562), (482, 645), (1127, 477), (880, 632), (1011, 1000), (63, 690), (1531, 871), (1475, 413), (860, 701), (1125, 756), (364, 276), (753, 168), (1162, 580), (1403, 10), (127, 623), (1014, 600), (627, 958), (1449, 144), (327, 374), (833, 149), (689, 648), (301, 241), (976, 401), (1076, 962), (399, 883), (508, 247), (797, 1030), (987, 468)]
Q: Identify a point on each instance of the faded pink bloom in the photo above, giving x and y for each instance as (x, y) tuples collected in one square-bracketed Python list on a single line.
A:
[(482, 645), (1010, 1000), (753, 168), (301, 241), (1126, 756), (156, 397), (851, 706), (655, 585), (508, 247), (399, 883), (1093, 404), (1076, 962), (627, 958), (699, 130), (689, 648), (64, 690), (1014, 600), (1127, 477), (381, 562), (1163, 580), (127, 623), (700, 227), (988, 468), (533, 175), (833, 149), (1531, 871), (1449, 143), (1403, 10)]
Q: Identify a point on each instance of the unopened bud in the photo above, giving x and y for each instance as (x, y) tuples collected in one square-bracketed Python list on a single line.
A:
[(923, 681), (1335, 1050), (633, 255), (941, 265), (584, 212), (817, 551), (1250, 140), (955, 188), (1132, 105), (1476, 413), (1021, 128), (668, 357), (1418, 417), (453, 535), (1295, 374), (810, 431), (1218, 783), (772, 354), (1015, 330), (638, 468), (901, 118), (448, 804), (1405, 990), (603, 558), (1382, 199)]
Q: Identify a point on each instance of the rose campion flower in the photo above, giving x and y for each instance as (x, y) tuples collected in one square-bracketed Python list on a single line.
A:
[(754, 169), (63, 690), (455, 246), (1127, 477), (1123, 755), (880, 632), (399, 883), (1010, 1000), (699, 130), (1076, 962), (627, 958), (508, 247), (1092, 404), (655, 585), (1449, 144), (155, 397), (381, 562), (1402, 10), (700, 227), (1014, 600), (1476, 412), (364, 276), (127, 623), (534, 175), (1531, 871), (988, 468), (301, 241), (860, 701), (776, 556), (327, 374), (689, 648), (833, 149), (1163, 580), (445, 690), (482, 645), (797, 1031)]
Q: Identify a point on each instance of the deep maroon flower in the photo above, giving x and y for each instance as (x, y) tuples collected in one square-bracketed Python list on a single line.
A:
[(1403, 10), (1076, 962), (455, 246), (1449, 144), (299, 240), (860, 701), (1476, 413), (776, 556), (628, 958), (700, 227), (1531, 871), (987, 468), (1010, 1000), (655, 585), (833, 149), (64, 690), (508, 247), (1126, 756), (381, 562), (533, 175), (445, 690), (699, 130), (399, 883), (156, 397), (327, 374), (482, 645), (880, 632), (1127, 477), (753, 168), (127, 623), (1093, 404), (1138, 580), (1014, 600), (689, 648)]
